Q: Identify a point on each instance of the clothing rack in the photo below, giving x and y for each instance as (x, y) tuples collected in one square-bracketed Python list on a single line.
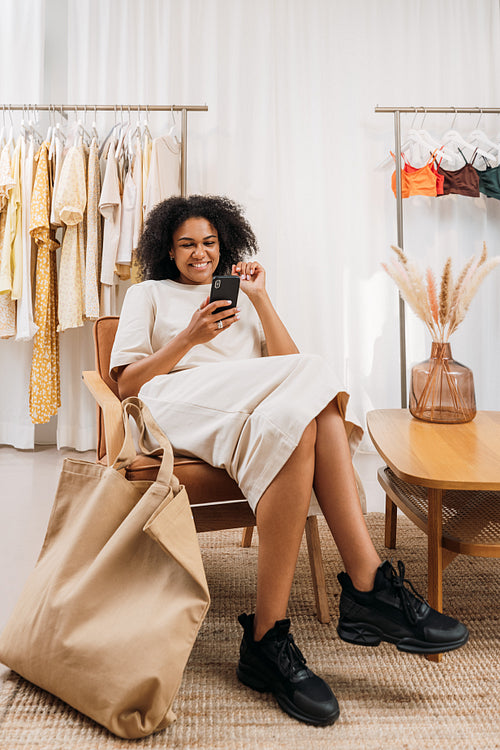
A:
[(399, 206), (121, 109)]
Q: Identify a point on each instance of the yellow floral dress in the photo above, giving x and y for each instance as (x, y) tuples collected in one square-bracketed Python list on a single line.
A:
[(45, 391)]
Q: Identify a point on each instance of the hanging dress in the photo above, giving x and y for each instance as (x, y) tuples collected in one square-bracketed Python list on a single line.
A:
[(94, 232), (25, 326), (126, 241), (45, 392), (12, 250), (7, 304), (147, 146), (224, 402), (137, 175), (164, 178), (110, 208), (71, 200)]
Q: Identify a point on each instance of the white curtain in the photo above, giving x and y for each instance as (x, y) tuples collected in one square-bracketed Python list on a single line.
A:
[(21, 80), (291, 133)]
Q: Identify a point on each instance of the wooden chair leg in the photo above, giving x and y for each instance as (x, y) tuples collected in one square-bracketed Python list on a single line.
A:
[(246, 538), (391, 519), (317, 569)]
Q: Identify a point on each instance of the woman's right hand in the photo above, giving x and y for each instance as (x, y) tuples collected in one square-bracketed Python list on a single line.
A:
[(206, 323)]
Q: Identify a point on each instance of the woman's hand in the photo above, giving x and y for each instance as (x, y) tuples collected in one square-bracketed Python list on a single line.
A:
[(206, 323), (252, 277)]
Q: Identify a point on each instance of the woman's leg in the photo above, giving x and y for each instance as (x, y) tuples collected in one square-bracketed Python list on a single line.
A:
[(281, 515), (335, 488)]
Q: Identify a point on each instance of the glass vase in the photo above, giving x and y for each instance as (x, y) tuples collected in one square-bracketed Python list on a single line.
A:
[(441, 389)]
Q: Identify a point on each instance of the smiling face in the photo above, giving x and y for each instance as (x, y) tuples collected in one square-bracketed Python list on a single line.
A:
[(195, 251)]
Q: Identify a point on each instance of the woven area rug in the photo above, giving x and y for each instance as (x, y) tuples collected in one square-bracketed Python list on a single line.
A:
[(387, 699)]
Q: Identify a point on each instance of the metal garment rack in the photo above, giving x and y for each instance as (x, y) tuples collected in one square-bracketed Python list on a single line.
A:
[(121, 109), (399, 206)]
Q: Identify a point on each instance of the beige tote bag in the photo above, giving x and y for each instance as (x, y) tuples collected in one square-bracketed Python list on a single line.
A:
[(108, 617)]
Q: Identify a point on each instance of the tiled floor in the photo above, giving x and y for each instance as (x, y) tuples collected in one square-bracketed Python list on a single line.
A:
[(28, 481)]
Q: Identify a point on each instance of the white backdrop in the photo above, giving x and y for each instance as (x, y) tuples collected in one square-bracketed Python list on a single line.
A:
[(291, 133)]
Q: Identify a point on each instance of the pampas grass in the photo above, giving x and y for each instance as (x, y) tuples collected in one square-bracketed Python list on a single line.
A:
[(442, 308)]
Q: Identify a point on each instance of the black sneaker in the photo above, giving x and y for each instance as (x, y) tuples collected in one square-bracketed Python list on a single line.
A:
[(393, 613), (275, 665)]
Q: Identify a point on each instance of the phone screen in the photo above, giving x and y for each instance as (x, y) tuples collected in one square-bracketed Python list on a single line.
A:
[(225, 287)]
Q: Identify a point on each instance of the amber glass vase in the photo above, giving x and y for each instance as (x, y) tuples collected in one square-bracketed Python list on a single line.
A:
[(441, 389)]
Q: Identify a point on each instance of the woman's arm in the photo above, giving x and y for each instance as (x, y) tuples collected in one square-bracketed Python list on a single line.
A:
[(201, 328), (253, 283)]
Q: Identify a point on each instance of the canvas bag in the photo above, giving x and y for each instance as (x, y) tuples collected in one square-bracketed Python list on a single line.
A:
[(108, 617)]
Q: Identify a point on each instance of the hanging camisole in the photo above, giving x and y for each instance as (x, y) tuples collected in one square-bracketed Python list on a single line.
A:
[(424, 180), (463, 181), (489, 181)]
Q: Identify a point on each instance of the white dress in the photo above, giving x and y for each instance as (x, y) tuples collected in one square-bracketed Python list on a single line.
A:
[(224, 402)]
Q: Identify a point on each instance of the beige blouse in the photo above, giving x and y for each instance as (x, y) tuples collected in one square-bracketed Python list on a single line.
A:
[(71, 201), (94, 239)]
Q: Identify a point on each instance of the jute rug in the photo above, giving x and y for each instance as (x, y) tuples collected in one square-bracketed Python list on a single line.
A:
[(388, 700)]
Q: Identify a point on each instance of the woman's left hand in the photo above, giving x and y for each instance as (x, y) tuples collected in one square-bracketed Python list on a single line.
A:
[(252, 277)]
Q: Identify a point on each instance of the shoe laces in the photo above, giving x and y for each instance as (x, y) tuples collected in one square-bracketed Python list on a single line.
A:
[(409, 599), (290, 657)]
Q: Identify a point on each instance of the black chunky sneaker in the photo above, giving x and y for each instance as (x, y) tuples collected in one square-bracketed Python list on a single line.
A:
[(275, 665), (394, 613)]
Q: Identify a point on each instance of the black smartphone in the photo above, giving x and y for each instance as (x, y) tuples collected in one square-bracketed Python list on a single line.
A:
[(225, 287)]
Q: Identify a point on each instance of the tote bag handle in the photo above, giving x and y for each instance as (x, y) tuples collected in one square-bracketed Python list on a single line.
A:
[(148, 427)]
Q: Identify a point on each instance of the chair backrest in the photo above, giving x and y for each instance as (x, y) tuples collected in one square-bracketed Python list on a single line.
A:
[(104, 336)]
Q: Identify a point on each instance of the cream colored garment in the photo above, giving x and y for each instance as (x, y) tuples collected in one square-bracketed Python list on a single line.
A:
[(137, 177), (45, 390), (6, 181), (94, 238), (147, 145), (7, 304), (231, 407), (164, 178), (12, 249), (110, 208), (153, 312), (137, 174), (57, 162), (125, 243), (71, 200), (26, 327)]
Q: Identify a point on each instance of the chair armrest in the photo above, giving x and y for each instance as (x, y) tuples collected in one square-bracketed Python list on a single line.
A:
[(111, 406)]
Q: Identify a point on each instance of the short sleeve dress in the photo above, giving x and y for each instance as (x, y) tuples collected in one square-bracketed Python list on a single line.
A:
[(224, 402)]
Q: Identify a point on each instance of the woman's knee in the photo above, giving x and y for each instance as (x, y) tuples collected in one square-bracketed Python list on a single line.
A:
[(308, 439)]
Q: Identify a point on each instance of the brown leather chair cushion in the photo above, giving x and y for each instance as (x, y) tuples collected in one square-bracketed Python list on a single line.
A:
[(205, 483)]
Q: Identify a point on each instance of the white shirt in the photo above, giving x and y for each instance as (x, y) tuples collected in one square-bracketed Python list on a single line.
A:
[(154, 312)]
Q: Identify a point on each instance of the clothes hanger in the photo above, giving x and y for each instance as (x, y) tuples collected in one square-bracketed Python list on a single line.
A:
[(412, 137), (479, 137), (174, 131), (111, 136), (10, 140), (145, 126), (2, 132), (454, 137)]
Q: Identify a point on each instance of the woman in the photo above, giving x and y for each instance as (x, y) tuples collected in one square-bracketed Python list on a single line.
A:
[(277, 423)]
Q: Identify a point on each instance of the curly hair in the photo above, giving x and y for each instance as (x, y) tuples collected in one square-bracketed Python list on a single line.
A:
[(236, 237)]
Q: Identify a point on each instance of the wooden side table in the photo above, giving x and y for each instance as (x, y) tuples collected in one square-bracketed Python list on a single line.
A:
[(446, 479)]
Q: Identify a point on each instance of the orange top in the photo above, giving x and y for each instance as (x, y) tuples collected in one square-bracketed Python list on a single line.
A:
[(419, 181)]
